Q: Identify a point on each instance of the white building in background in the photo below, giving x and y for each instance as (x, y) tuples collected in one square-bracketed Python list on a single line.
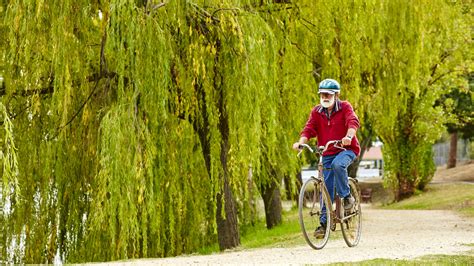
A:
[(307, 173), (371, 164)]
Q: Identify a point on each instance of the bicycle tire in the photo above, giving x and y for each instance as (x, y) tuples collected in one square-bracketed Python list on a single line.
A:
[(312, 198), (351, 224)]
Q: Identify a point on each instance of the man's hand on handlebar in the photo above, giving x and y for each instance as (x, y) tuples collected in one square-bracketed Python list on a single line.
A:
[(346, 141), (296, 146)]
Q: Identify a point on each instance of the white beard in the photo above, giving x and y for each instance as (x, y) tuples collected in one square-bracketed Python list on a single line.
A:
[(326, 104)]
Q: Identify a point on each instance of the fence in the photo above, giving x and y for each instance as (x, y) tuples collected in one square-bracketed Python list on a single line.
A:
[(441, 152)]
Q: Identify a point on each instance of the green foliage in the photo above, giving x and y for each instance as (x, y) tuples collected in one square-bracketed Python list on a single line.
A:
[(408, 81), (121, 101), (460, 104), (8, 156), (122, 119)]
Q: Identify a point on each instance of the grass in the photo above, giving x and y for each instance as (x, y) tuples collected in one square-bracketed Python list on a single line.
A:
[(424, 260), (443, 196), (465, 259), (286, 234)]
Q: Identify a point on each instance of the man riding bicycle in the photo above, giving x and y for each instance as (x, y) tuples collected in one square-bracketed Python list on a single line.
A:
[(333, 119)]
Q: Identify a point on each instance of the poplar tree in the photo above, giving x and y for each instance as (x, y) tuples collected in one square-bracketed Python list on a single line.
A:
[(419, 50)]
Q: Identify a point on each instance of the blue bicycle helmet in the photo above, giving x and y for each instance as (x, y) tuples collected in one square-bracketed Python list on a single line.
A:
[(329, 86)]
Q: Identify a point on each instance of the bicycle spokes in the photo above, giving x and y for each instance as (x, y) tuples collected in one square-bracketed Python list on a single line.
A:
[(312, 213), (351, 222)]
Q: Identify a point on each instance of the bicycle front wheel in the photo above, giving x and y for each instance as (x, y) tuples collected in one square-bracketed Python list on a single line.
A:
[(351, 224), (311, 206)]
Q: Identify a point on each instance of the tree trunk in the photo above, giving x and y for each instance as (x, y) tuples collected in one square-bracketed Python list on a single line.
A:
[(288, 192), (353, 167), (272, 203), (299, 184), (227, 230), (406, 188), (364, 146), (453, 147), (227, 227)]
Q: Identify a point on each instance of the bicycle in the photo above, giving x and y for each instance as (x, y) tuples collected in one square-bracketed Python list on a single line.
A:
[(314, 200)]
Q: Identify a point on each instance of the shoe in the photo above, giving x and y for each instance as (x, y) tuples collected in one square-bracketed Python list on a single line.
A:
[(349, 202), (320, 232)]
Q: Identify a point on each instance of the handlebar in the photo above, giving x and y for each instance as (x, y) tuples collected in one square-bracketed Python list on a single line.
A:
[(302, 146), (321, 149), (336, 143)]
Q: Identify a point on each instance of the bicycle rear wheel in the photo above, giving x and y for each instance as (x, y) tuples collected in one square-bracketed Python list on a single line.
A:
[(311, 205), (351, 224)]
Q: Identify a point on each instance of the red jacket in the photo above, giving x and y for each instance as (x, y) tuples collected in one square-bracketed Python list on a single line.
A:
[(334, 127)]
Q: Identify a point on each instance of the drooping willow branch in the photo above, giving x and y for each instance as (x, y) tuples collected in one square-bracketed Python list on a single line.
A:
[(96, 77), (103, 72)]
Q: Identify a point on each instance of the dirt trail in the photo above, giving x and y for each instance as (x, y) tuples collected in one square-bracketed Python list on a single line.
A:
[(393, 234)]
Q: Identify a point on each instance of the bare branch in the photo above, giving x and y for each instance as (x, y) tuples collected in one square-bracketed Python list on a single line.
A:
[(435, 67), (203, 12), (307, 27), (433, 81), (103, 73), (158, 5), (50, 88), (301, 50), (153, 7)]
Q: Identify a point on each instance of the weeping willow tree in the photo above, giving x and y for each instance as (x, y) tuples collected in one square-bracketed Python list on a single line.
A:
[(220, 52), (286, 86), (129, 127), (93, 171)]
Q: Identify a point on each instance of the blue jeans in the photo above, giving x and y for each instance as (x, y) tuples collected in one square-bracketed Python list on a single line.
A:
[(337, 176)]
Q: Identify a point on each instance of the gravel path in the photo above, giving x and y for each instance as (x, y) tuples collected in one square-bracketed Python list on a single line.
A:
[(392, 234)]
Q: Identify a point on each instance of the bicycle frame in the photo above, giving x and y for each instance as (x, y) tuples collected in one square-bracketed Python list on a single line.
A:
[(334, 209), (336, 215)]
